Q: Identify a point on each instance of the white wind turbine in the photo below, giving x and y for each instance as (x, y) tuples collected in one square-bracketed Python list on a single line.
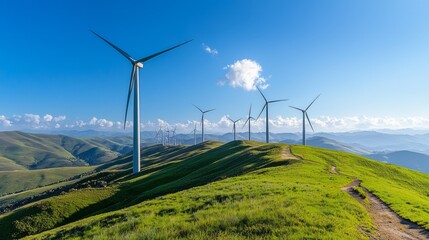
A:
[(135, 84)]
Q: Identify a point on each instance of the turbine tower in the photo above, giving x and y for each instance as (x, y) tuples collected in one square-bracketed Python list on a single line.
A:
[(174, 136), (249, 118), (234, 122), (195, 134), (135, 83), (202, 121), (267, 132), (305, 115), (158, 136)]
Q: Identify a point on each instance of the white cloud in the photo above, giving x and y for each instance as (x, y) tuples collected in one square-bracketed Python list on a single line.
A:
[(59, 118), (278, 124), (47, 118), (93, 121), (5, 122), (80, 123), (32, 118), (210, 50), (245, 74)]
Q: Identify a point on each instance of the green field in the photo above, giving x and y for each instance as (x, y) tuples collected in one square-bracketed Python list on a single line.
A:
[(238, 190), (20, 151), (12, 181)]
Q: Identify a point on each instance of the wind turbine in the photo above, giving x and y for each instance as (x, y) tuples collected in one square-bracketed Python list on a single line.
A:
[(305, 115), (202, 121), (135, 82), (267, 132), (249, 118), (158, 135), (174, 136), (168, 136), (233, 122), (195, 134)]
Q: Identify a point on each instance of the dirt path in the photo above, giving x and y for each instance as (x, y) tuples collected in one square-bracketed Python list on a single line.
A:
[(287, 154), (389, 224)]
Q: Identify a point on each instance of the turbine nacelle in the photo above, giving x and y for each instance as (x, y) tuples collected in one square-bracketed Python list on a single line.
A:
[(139, 65)]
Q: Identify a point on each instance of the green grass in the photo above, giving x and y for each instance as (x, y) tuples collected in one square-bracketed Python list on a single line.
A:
[(48, 213), (258, 195), (405, 191), (20, 151), (238, 190), (13, 181), (361, 192)]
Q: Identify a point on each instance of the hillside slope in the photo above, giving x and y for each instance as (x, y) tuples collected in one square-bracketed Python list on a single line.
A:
[(20, 151), (238, 190)]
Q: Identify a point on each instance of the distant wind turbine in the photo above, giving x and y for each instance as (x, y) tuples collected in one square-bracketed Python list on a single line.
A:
[(174, 136), (195, 134), (202, 121), (305, 115), (135, 82), (234, 122), (249, 118), (267, 131), (158, 135)]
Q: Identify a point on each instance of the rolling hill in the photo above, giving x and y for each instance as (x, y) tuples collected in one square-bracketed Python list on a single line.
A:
[(327, 143), (238, 190), (408, 159), (20, 151)]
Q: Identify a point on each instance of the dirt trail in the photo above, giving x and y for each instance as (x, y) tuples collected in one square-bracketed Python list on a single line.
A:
[(389, 224), (287, 154)]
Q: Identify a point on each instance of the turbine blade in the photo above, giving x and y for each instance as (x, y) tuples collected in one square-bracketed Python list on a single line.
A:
[(261, 94), (198, 108), (261, 111), (210, 110), (281, 100), (159, 53), (309, 122), (133, 73), (312, 102), (250, 110), (237, 120), (248, 119), (115, 47), (230, 119), (297, 108)]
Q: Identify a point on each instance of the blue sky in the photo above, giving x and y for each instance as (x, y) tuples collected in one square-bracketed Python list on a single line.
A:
[(368, 59)]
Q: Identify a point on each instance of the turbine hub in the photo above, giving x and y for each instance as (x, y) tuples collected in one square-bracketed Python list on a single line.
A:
[(139, 64)]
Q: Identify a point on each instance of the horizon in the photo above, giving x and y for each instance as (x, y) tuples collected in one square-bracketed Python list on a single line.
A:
[(368, 70)]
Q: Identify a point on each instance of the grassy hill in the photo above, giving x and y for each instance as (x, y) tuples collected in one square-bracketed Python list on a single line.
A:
[(13, 181), (238, 190), (20, 151)]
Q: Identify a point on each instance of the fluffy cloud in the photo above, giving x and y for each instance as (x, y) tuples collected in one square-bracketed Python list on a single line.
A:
[(222, 125), (31, 118), (103, 123), (48, 118), (5, 122), (245, 74), (59, 118), (210, 50)]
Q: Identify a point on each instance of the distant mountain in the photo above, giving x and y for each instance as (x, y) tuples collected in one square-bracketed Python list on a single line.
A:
[(377, 141), (327, 143), (408, 159), (20, 151)]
